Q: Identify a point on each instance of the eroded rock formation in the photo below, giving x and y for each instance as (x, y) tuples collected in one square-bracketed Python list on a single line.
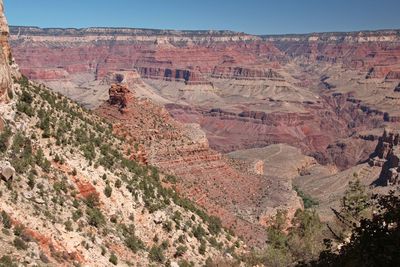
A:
[(387, 156), (118, 95)]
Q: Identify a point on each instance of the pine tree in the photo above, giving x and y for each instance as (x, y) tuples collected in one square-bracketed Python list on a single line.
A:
[(355, 200)]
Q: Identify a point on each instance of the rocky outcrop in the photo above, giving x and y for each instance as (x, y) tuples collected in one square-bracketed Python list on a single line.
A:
[(118, 95), (5, 57), (387, 156), (6, 170)]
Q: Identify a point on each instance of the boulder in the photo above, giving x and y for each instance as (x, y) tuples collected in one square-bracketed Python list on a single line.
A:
[(159, 217), (7, 171)]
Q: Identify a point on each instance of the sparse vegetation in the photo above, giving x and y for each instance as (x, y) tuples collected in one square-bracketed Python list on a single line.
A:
[(156, 254), (180, 250), (20, 244), (113, 259), (108, 191), (4, 139), (6, 220), (308, 201), (95, 217), (7, 261), (55, 187), (372, 241)]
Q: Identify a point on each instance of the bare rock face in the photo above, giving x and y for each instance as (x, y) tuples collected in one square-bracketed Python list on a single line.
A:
[(5, 56), (387, 156), (6, 170)]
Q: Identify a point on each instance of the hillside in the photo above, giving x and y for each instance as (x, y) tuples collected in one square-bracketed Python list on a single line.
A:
[(71, 195), (76, 196)]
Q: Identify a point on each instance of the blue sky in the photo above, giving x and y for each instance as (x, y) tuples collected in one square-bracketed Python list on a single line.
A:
[(251, 16)]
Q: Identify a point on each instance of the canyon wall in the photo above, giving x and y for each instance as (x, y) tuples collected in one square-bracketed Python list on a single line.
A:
[(313, 91)]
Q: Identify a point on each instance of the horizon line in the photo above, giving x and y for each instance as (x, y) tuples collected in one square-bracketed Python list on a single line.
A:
[(209, 30)]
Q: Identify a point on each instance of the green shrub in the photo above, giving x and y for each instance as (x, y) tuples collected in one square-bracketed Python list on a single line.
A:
[(308, 201), (57, 158), (180, 250), (171, 179), (92, 200), (95, 217), (167, 226), (113, 259), (199, 232), (10, 94), (68, 226), (4, 139), (103, 251), (214, 225), (76, 215), (156, 254), (39, 157), (7, 261), (20, 244), (6, 220), (26, 97), (60, 186), (134, 243), (202, 247), (185, 263), (18, 229), (25, 108), (107, 191), (46, 165), (31, 181)]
